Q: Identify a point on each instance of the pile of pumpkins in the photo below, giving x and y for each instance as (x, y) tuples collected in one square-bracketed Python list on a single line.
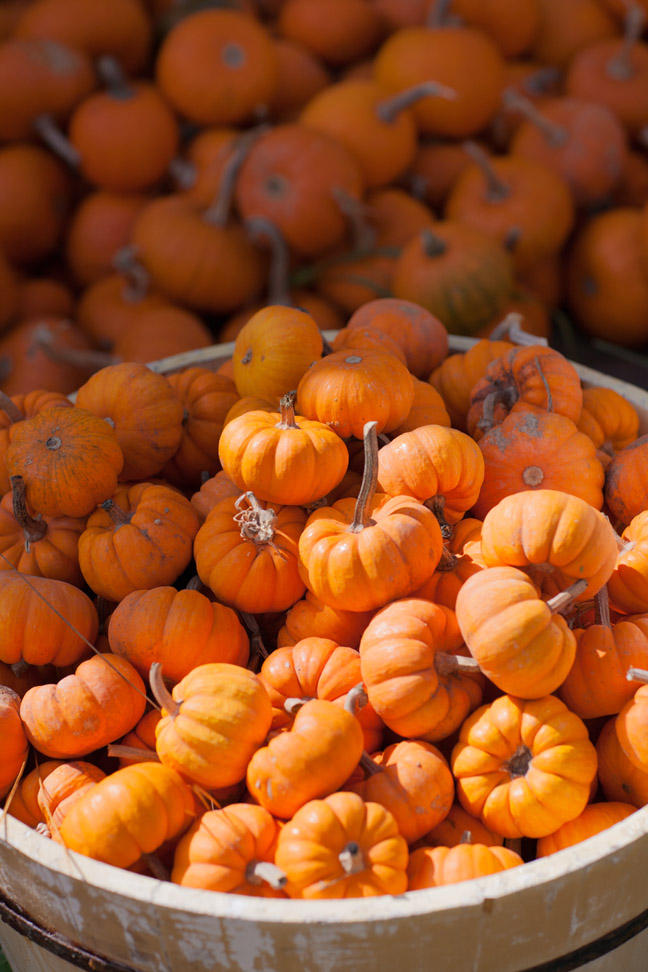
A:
[(168, 167), (325, 621)]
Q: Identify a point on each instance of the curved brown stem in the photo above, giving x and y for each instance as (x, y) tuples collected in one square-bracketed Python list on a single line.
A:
[(514, 101), (546, 384), (20, 668), (217, 213), (390, 108), (88, 358), (47, 129), (361, 518), (496, 189), (162, 695), (260, 227), (294, 704), (183, 172), (10, 408), (119, 516), (436, 504), (519, 762), (258, 650), (504, 396), (112, 76), (265, 872), (33, 529), (438, 14), (433, 246), (447, 664), (449, 560), (369, 765), (602, 607), (358, 215), (620, 67), (560, 601)]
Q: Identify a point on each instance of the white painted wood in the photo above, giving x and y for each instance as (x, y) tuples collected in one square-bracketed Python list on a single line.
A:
[(24, 956), (508, 922)]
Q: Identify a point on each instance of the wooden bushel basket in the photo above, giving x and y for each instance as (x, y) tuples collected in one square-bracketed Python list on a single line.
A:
[(585, 907)]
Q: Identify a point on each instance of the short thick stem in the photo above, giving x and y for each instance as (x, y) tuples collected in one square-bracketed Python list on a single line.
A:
[(287, 409), (20, 668), (265, 872), (496, 189), (390, 108), (436, 504), (499, 396), (33, 529), (119, 516), (565, 598), (438, 14), (447, 664), (433, 245), (555, 134), (637, 675), (356, 699), (369, 765), (361, 518), (519, 763), (162, 695), (8, 406), (359, 217), (352, 858), (137, 278), (112, 76)]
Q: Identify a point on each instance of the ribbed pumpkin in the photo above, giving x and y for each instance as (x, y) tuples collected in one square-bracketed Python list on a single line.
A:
[(432, 867), (214, 720), (626, 491), (410, 659), (461, 275), (69, 459), (628, 583), (178, 629), (282, 457), (15, 746), (525, 768), (594, 818), (140, 538)]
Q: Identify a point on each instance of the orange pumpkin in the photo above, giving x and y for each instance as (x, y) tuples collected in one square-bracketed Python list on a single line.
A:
[(628, 583), (431, 867), (15, 745), (524, 767), (594, 818)]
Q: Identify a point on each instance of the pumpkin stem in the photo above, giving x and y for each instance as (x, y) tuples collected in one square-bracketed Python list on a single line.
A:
[(514, 101), (449, 560), (438, 14), (351, 858), (496, 189), (111, 74), (447, 664), (437, 506), (466, 837), (161, 692), (217, 213), (183, 172), (545, 383), (620, 67), (294, 704), (389, 109), (560, 601), (369, 765), (265, 872), (433, 245), (8, 406), (20, 668), (48, 131), (33, 529), (88, 358), (602, 607), (359, 216), (510, 329), (637, 675), (519, 762), (133, 753), (514, 844), (287, 408), (499, 396), (256, 523), (361, 518), (258, 649), (263, 229), (119, 516), (156, 867), (138, 280), (356, 699)]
